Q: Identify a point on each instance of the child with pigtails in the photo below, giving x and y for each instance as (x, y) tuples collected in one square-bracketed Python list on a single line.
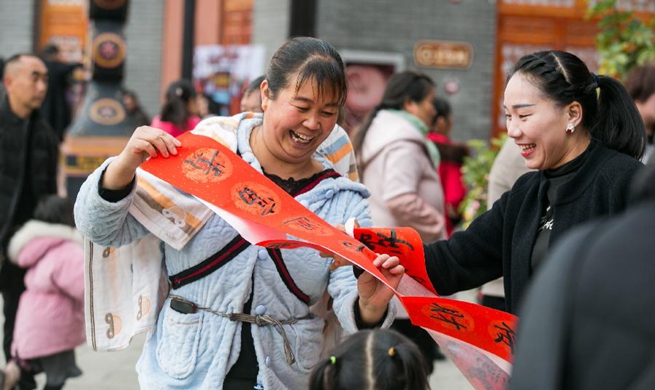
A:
[(378, 359)]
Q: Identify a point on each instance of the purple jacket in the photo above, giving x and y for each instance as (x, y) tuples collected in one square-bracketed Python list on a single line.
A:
[(50, 316)]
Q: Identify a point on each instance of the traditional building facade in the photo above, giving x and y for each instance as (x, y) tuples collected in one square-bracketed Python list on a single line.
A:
[(466, 46)]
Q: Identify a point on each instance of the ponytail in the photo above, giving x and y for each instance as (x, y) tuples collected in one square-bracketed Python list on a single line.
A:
[(619, 125), (411, 368), (323, 374), (379, 359), (176, 107)]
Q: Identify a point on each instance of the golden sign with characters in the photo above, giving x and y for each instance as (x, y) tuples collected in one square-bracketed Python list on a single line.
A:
[(443, 54)]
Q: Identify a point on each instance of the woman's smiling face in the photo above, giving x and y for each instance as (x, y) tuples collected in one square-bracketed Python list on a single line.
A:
[(537, 125), (297, 122)]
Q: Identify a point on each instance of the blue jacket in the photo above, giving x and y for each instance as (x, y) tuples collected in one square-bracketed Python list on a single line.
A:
[(197, 350)]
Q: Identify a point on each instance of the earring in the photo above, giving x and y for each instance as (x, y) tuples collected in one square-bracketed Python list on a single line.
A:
[(570, 128), (264, 106)]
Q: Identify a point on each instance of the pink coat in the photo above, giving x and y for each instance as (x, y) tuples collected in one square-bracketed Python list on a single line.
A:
[(173, 130), (405, 187), (50, 316)]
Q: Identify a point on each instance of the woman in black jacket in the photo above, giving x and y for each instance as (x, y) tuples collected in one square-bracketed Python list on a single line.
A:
[(586, 321), (584, 135)]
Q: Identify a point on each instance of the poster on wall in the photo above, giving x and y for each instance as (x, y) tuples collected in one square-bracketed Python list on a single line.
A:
[(64, 23), (366, 84), (367, 73), (221, 72)]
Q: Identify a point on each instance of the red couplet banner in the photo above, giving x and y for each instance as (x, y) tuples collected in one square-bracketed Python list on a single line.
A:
[(207, 170)]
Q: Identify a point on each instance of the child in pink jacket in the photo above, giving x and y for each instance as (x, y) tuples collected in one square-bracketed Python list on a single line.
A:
[(180, 111), (50, 318)]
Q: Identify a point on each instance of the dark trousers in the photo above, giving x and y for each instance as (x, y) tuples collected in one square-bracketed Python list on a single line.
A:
[(238, 384), (26, 381), (12, 284), (12, 287), (493, 302)]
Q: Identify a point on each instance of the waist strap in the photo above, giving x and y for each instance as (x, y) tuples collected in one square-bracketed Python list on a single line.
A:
[(259, 320)]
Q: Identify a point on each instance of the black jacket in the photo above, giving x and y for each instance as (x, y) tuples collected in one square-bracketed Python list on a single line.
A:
[(56, 110), (499, 242), (587, 322), (30, 166)]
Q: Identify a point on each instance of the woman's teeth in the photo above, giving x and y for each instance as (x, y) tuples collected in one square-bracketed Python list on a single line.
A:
[(300, 138), (526, 148)]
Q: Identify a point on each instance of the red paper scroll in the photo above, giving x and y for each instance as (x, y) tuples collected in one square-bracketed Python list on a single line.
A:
[(404, 243), (208, 170), (485, 328)]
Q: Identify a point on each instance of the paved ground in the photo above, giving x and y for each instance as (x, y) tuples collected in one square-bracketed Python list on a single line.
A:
[(115, 370), (105, 371)]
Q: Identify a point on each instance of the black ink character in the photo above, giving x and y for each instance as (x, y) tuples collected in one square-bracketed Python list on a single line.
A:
[(304, 223), (505, 335), (208, 165), (384, 241), (446, 315), (250, 197)]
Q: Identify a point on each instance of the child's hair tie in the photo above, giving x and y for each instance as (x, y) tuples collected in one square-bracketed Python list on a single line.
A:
[(333, 360), (392, 352)]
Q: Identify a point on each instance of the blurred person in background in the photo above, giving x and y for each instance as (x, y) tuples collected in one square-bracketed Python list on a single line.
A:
[(202, 101), (29, 156), (2, 84), (398, 163), (208, 107), (180, 110), (251, 99), (50, 318), (56, 109), (451, 159), (640, 84), (134, 110)]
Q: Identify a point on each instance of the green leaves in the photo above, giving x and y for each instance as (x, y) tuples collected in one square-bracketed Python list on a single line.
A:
[(624, 40), (475, 171)]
